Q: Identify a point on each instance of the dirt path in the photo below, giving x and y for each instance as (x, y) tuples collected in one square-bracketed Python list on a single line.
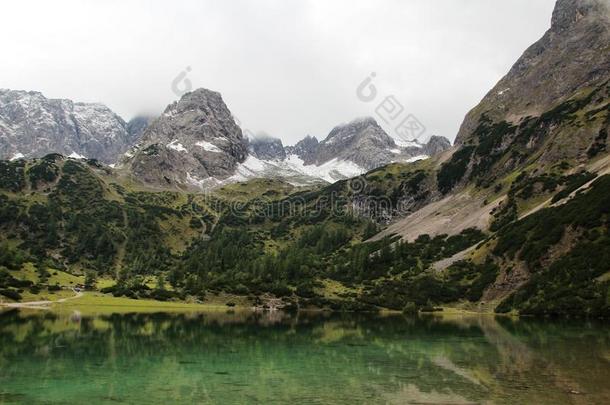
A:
[(537, 208), (41, 304)]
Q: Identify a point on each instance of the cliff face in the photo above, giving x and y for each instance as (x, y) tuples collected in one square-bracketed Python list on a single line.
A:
[(364, 143), (571, 56), (361, 141), (32, 125), (265, 147), (195, 140), (306, 149), (136, 126), (436, 145), (545, 121)]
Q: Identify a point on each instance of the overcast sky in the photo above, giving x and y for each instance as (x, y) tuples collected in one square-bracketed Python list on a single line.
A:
[(285, 67)]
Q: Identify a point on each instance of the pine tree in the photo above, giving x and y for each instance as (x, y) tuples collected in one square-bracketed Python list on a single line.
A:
[(90, 280)]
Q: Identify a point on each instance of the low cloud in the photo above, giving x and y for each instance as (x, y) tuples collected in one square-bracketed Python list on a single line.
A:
[(286, 67)]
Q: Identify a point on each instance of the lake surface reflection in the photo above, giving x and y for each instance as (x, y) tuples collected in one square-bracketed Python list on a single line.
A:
[(305, 358)]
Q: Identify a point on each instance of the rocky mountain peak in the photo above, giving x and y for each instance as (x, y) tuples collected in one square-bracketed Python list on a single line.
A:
[(436, 144), (204, 100), (361, 141), (266, 147), (137, 125), (194, 141), (32, 125), (365, 127), (568, 13), (572, 55), (306, 149)]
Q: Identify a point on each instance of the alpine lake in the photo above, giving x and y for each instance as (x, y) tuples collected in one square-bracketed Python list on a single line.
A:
[(246, 357)]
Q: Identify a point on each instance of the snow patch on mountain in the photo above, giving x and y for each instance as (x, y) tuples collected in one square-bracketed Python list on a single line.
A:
[(17, 155), (406, 144), (75, 155), (416, 158), (331, 171), (210, 147), (175, 145), (294, 171)]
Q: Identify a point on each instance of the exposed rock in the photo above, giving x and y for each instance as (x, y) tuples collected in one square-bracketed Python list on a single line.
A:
[(306, 149), (265, 147), (555, 102), (436, 145), (136, 127), (361, 141), (349, 150), (196, 139), (32, 125), (194, 142), (365, 143), (572, 55)]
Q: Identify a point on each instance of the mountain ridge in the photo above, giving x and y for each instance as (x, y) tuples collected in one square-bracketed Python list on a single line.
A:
[(206, 148), (32, 125), (576, 44)]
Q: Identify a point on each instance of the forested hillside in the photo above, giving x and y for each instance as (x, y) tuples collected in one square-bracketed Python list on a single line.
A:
[(307, 247)]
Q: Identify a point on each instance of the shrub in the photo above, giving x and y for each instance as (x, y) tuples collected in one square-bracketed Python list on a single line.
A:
[(12, 294), (35, 289), (410, 308), (454, 170)]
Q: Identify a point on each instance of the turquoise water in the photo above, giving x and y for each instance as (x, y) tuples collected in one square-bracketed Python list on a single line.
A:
[(226, 358)]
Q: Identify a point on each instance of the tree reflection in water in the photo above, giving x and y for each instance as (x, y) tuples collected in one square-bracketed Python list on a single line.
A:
[(306, 357)]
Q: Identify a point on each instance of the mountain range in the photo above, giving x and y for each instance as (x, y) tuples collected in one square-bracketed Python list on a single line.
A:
[(32, 125), (513, 218), (195, 143)]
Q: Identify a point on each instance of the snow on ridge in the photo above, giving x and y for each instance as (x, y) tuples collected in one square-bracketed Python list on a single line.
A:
[(293, 170), (331, 171), (416, 158), (251, 167), (406, 144), (194, 180), (97, 118), (204, 184), (75, 155), (294, 167), (16, 156), (207, 146), (175, 145)]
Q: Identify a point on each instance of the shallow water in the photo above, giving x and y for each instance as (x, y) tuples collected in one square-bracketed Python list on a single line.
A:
[(226, 358)]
